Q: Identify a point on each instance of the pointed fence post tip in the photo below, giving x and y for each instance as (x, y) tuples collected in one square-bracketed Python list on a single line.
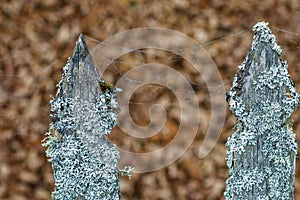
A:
[(262, 152), (85, 109)]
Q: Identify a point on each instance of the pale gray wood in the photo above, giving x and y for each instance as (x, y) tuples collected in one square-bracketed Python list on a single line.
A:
[(85, 109), (262, 152)]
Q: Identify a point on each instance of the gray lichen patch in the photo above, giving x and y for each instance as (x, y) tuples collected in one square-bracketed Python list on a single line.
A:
[(261, 153)]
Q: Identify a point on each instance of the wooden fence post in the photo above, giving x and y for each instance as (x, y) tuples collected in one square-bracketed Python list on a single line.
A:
[(262, 152), (84, 161)]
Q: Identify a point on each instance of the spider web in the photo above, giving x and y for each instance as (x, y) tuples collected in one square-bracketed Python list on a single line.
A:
[(228, 52)]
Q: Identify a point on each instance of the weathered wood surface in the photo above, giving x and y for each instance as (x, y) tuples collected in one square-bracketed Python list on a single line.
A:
[(262, 152), (84, 161)]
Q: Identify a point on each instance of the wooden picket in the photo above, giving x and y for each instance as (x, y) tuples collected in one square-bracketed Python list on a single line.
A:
[(262, 152), (84, 161)]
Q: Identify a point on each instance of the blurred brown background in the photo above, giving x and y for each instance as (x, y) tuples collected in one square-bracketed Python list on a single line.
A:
[(37, 37)]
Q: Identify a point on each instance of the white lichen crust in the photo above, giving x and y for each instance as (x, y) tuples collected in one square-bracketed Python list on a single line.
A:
[(262, 152), (84, 161)]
